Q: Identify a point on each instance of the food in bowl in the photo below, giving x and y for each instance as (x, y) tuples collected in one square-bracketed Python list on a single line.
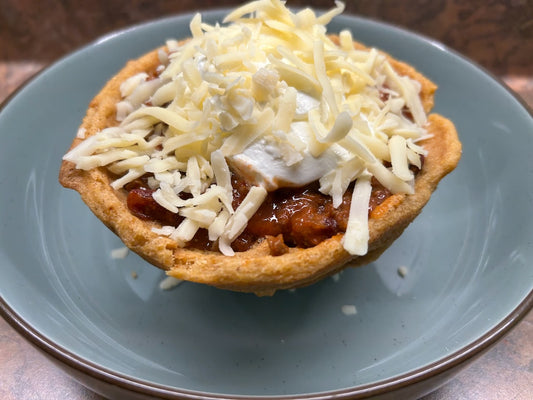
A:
[(261, 154)]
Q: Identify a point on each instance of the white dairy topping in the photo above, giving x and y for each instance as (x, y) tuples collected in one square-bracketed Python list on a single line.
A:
[(273, 97), (262, 162), (304, 104)]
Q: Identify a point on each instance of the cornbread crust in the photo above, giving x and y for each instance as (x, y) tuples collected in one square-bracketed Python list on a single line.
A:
[(255, 270)]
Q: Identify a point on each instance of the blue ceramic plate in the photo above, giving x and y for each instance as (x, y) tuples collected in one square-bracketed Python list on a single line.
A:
[(469, 256)]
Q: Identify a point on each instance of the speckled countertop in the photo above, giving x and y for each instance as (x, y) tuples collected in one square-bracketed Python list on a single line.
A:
[(496, 34)]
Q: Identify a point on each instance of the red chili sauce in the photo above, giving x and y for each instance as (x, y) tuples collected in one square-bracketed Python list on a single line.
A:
[(289, 217)]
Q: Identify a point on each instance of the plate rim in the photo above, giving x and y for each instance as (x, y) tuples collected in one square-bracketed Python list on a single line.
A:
[(460, 357), (132, 384)]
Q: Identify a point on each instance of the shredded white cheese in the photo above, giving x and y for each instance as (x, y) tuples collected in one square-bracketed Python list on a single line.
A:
[(267, 80), (349, 309), (119, 253), (169, 282), (403, 271), (355, 240), (81, 133)]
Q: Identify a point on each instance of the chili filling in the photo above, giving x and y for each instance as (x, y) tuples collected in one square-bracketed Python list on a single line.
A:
[(288, 217)]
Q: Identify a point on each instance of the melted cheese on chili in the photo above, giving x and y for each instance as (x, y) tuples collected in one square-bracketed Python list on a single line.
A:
[(269, 94)]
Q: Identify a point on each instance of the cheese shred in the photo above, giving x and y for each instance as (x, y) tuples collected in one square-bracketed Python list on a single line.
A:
[(267, 79)]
